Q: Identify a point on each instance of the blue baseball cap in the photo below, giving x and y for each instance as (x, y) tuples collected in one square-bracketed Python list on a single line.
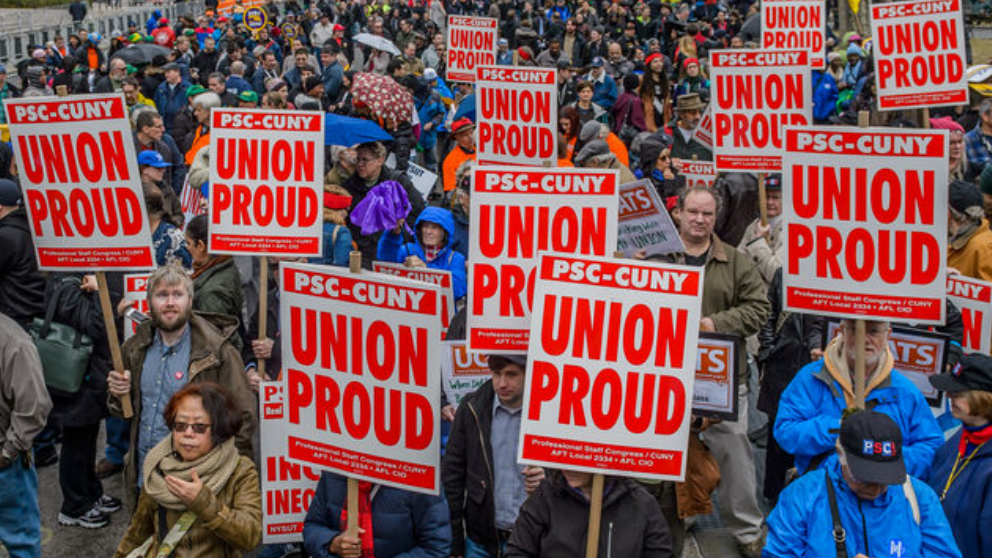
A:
[(152, 159)]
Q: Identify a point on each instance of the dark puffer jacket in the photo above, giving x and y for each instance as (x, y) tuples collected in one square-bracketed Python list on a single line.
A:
[(404, 524), (554, 521)]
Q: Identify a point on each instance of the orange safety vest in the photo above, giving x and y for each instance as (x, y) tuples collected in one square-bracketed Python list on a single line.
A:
[(199, 142)]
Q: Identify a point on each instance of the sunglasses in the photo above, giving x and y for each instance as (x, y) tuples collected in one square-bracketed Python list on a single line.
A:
[(198, 427)]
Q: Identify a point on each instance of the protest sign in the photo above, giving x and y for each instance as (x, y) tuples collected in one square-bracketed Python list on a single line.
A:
[(361, 359), (287, 487), (463, 371), (916, 354), (866, 225), (611, 366), (756, 94), (255, 18), (439, 277), (517, 110), (795, 24), (423, 180), (471, 43), (644, 222), (714, 392), (703, 133), (517, 212), (266, 182), (699, 173), (973, 297), (919, 54), (79, 175), (134, 292)]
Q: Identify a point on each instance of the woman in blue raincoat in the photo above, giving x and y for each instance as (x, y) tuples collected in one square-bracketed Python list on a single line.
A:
[(432, 248)]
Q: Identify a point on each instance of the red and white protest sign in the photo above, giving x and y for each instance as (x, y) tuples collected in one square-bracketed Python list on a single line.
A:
[(795, 24), (610, 367), (644, 222), (517, 109), (756, 94), (361, 360), (463, 371), (471, 43), (866, 224), (973, 297), (266, 182), (703, 133), (714, 392), (79, 175), (699, 173), (135, 286), (919, 51), (439, 277), (287, 487), (517, 212)]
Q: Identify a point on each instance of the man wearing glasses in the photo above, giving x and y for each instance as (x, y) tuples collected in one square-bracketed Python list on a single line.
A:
[(175, 347), (370, 170)]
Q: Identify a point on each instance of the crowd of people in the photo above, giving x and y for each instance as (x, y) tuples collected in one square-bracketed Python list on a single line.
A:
[(632, 88)]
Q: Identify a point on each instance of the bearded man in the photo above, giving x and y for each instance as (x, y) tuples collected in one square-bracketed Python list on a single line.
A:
[(175, 347)]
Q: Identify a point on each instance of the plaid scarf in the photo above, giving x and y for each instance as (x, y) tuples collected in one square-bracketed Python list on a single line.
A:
[(432, 252)]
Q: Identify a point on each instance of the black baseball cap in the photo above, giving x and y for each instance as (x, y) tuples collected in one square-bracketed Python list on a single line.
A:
[(972, 372), (873, 444), (773, 181)]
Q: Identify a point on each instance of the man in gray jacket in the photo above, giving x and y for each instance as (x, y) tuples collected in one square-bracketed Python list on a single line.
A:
[(24, 407)]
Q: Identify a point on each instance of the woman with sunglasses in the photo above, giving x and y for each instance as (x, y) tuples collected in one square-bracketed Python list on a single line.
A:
[(199, 497)]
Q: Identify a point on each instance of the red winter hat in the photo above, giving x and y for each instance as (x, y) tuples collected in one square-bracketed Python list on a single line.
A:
[(650, 59), (336, 201), (461, 125), (338, 27), (163, 21), (222, 19), (690, 61)]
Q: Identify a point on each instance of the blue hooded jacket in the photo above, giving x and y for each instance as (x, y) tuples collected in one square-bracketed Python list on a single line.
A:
[(392, 248), (968, 504), (802, 525), (812, 405), (404, 524), (824, 95), (152, 22)]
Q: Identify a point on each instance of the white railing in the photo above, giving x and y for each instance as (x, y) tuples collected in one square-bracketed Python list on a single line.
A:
[(36, 27)]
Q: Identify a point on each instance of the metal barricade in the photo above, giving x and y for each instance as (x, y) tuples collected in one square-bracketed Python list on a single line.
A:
[(22, 31)]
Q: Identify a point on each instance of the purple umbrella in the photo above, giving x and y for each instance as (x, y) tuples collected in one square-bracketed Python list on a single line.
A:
[(383, 207)]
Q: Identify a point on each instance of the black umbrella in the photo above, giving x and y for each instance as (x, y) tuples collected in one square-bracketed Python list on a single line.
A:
[(141, 53)]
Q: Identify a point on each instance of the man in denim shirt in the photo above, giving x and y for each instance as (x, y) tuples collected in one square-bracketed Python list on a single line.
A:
[(175, 347)]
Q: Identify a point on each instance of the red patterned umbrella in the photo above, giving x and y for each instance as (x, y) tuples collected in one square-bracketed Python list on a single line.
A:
[(383, 97)]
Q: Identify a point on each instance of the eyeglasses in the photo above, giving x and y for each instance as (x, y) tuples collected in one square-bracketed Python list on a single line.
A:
[(364, 160), (198, 427)]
